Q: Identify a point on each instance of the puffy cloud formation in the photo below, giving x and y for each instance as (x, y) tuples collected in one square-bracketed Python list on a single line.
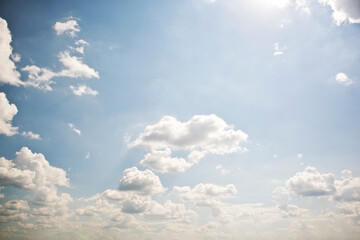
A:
[(342, 78), (141, 182), (83, 90), (13, 211), (344, 10), (311, 183), (39, 77), (205, 194), (200, 135), (170, 210), (31, 135), (281, 197), (161, 161), (30, 171), (7, 112), (8, 73), (71, 27)]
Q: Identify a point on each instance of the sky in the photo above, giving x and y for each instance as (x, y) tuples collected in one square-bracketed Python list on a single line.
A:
[(187, 119)]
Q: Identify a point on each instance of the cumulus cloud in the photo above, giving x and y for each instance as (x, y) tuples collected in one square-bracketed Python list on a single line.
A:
[(312, 183), (201, 135), (142, 182), (30, 171), (83, 90), (170, 210), (13, 211), (8, 73), (205, 194), (7, 112), (348, 188), (344, 10), (71, 27), (72, 127), (161, 161), (281, 197), (31, 135), (39, 77), (342, 78), (75, 68), (16, 57)]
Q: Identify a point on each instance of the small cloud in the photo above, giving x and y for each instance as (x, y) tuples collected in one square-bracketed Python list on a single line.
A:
[(275, 156), (82, 42), (218, 166), (31, 135), (342, 78), (87, 156), (83, 90), (16, 57), (72, 127), (299, 155), (277, 50), (70, 27)]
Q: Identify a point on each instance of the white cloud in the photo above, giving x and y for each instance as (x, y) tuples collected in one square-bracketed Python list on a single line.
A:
[(141, 182), (16, 57), (83, 90), (7, 112), (8, 73), (72, 127), (277, 50), (161, 161), (30, 171), (75, 68), (87, 156), (70, 27), (13, 211), (344, 10), (170, 210), (348, 188), (205, 194), (281, 197), (342, 78), (312, 183), (31, 135), (202, 134), (300, 155), (39, 77), (82, 42)]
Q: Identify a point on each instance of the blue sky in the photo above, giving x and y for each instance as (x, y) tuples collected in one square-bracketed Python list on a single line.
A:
[(204, 119)]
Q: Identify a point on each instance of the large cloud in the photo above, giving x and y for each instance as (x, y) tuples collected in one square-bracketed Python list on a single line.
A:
[(141, 182), (344, 10), (200, 135), (312, 183), (8, 73), (7, 112), (13, 211)]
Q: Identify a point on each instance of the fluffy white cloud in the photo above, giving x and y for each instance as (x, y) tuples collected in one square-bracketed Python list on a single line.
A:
[(31, 135), (83, 90), (39, 77), (8, 73), (281, 197), (205, 194), (75, 68), (161, 161), (72, 127), (82, 42), (16, 57), (170, 210), (342, 78), (344, 10), (141, 182), (312, 183), (30, 171), (13, 211), (7, 112), (202, 134), (277, 50), (71, 27), (348, 188)]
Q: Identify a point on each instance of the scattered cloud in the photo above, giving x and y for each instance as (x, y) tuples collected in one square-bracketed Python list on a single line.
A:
[(72, 127), (16, 57), (342, 78), (13, 210), (82, 42), (299, 155), (31, 135), (8, 73), (71, 27), (201, 135), (7, 112), (83, 90), (87, 156), (344, 10)]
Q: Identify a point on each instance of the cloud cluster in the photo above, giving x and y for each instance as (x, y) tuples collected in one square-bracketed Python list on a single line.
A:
[(71, 27), (201, 135), (13, 210), (344, 10), (8, 73), (7, 113), (83, 90)]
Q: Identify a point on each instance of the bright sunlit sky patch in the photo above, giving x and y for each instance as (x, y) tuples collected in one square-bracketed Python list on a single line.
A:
[(191, 119)]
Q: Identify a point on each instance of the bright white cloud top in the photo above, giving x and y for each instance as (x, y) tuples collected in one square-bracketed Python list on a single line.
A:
[(7, 113)]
